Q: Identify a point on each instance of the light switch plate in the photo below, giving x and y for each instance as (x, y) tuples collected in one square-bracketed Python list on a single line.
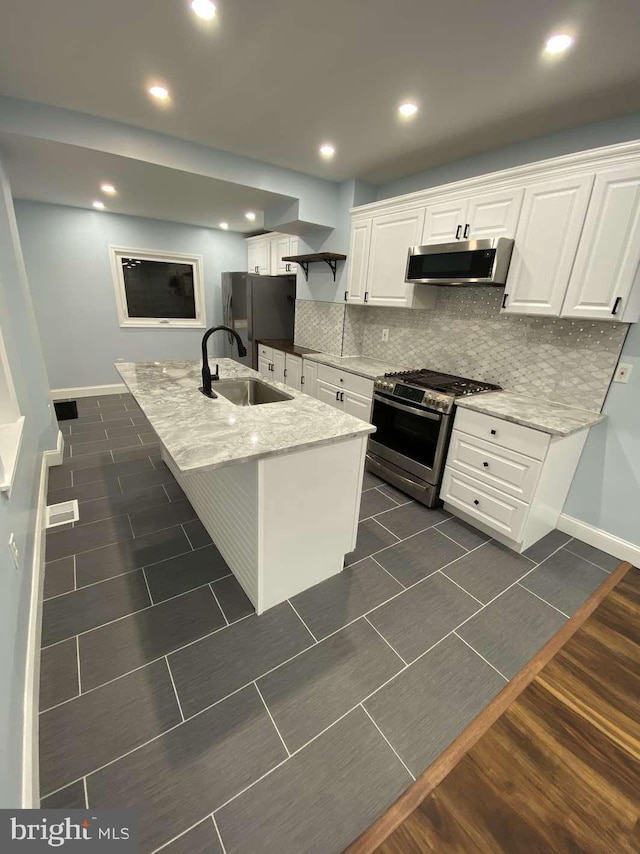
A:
[(623, 372), (385, 334)]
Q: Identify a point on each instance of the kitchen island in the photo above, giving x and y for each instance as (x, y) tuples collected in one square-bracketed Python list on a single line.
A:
[(276, 484)]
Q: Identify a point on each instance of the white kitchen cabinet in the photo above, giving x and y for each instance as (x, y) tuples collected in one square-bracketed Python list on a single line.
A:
[(356, 404), (264, 367), (293, 371), (546, 243), (328, 393), (291, 266), (606, 264), (309, 380), (444, 222), (358, 260), (279, 247), (279, 366), (259, 255), (486, 215), (391, 237), (508, 480), (493, 214)]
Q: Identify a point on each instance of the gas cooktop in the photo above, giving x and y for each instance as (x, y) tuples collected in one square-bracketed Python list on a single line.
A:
[(444, 383)]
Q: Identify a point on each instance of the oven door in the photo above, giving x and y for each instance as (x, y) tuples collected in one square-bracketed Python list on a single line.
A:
[(409, 436)]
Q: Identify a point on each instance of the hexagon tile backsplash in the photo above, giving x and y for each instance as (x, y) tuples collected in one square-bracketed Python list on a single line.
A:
[(570, 361)]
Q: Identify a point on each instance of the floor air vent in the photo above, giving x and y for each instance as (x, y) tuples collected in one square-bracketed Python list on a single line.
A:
[(60, 514)]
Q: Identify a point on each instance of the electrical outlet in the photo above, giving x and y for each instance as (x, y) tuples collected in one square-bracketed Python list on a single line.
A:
[(623, 372), (13, 548), (385, 334)]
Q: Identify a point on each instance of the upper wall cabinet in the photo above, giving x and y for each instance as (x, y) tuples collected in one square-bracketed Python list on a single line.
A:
[(546, 242), (265, 254), (378, 261), (493, 214), (606, 264)]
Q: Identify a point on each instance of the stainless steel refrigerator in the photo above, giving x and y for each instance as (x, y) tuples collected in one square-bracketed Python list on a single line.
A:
[(257, 307)]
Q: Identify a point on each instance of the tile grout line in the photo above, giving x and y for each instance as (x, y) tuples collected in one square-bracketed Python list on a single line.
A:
[(175, 690), (315, 639), (464, 589), (86, 793), (385, 569), (164, 489), (451, 538), (215, 824), (75, 576), (78, 664), (397, 503), (555, 608), (480, 655), (388, 742), (146, 584), (218, 602), (182, 524), (575, 554), (422, 531), (399, 539), (386, 641), (268, 711)]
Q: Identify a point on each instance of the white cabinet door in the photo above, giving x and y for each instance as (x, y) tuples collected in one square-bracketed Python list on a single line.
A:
[(279, 248), (356, 404), (358, 260), (259, 257), (310, 377), (391, 237), (264, 366), (279, 365), (546, 241), (609, 251), (291, 266), (293, 367), (444, 222), (330, 394), (493, 214)]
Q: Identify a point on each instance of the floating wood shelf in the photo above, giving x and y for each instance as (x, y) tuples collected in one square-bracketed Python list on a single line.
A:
[(330, 258)]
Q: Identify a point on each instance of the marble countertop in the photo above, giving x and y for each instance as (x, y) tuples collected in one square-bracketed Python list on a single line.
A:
[(544, 415), (361, 365), (201, 434)]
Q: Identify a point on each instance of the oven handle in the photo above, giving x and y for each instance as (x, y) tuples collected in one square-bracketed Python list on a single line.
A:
[(414, 410), (380, 467)]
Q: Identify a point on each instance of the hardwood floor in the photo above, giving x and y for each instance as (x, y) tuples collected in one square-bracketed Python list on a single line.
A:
[(560, 768)]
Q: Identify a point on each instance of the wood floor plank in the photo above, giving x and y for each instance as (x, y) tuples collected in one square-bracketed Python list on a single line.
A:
[(559, 770)]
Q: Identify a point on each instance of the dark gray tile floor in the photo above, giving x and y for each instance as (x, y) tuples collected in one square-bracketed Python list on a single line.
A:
[(287, 732)]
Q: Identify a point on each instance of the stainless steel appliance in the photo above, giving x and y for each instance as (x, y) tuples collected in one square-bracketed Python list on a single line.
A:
[(466, 262), (257, 307), (413, 414)]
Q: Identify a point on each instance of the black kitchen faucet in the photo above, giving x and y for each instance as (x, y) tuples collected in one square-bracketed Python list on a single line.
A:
[(206, 373)]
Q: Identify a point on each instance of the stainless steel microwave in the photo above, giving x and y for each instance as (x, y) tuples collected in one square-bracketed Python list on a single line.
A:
[(466, 262)]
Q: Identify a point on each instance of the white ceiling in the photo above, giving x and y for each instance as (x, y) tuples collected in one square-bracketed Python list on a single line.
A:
[(64, 174), (272, 80)]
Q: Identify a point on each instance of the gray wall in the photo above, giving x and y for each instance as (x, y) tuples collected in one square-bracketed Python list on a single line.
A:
[(67, 256), (18, 512), (606, 488), (582, 138)]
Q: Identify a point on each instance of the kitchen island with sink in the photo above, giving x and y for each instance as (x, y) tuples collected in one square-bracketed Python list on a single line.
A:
[(273, 474)]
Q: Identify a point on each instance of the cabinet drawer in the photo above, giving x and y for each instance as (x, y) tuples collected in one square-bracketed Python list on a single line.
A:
[(524, 440), (345, 379), (493, 508), (266, 352), (501, 468)]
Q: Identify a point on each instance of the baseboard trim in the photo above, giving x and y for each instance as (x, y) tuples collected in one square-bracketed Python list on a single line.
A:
[(599, 539), (87, 391)]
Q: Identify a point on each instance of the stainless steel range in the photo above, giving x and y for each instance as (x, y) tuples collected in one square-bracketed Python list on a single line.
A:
[(413, 413)]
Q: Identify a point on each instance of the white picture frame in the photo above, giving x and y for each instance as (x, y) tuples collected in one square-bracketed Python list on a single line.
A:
[(117, 253)]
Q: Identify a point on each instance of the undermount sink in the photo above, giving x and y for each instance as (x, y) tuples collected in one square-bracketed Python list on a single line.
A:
[(249, 392)]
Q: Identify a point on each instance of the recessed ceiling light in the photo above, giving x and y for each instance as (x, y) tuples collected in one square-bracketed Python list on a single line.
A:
[(407, 110), (558, 43), (250, 215), (224, 225), (204, 9), (99, 206), (327, 150), (161, 93), (108, 188)]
